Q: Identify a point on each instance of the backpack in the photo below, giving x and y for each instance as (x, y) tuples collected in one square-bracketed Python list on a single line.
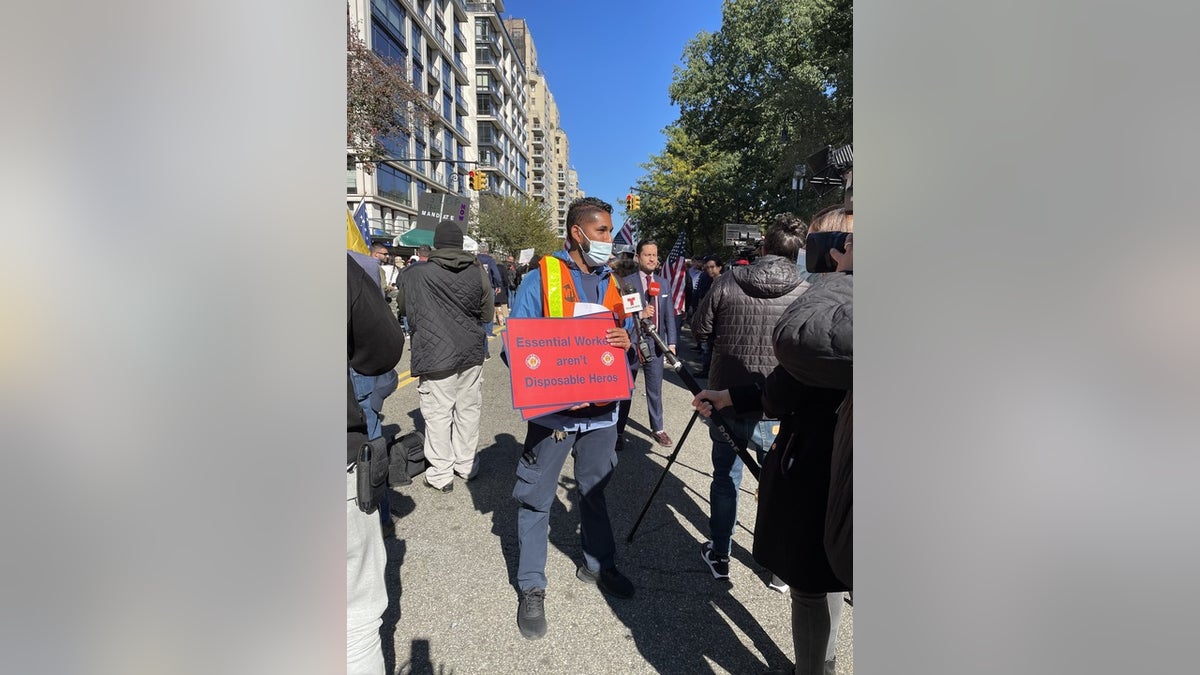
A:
[(406, 459)]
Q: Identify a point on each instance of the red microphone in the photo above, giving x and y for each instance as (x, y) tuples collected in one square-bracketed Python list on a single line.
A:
[(653, 290)]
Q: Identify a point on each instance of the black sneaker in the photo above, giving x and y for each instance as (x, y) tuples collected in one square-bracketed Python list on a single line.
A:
[(609, 581), (719, 566), (531, 613)]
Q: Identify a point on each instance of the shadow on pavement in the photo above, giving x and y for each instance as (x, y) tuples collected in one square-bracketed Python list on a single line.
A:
[(399, 505), (682, 620), (396, 549), (491, 493), (419, 662)]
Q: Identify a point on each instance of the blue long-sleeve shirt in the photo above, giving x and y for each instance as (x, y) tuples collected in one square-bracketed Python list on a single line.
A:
[(591, 287)]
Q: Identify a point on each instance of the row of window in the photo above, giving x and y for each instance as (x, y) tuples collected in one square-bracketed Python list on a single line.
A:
[(397, 185)]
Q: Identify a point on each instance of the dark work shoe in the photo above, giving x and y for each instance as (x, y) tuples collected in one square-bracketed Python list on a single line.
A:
[(445, 488), (609, 581), (717, 565), (531, 613)]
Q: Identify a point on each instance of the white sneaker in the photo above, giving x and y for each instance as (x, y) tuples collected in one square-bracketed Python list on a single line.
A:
[(777, 585)]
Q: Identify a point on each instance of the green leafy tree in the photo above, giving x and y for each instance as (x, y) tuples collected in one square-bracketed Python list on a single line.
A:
[(512, 223), (772, 86), (691, 187), (381, 102)]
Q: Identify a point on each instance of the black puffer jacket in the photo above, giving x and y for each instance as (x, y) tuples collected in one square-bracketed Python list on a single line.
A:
[(446, 299), (741, 310), (814, 339), (803, 529)]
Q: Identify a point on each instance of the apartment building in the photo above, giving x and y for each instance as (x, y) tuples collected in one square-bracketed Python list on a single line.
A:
[(500, 103), (494, 111), (429, 39), (548, 146)]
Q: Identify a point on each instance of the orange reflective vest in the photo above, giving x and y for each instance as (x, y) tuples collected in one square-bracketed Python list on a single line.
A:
[(559, 295)]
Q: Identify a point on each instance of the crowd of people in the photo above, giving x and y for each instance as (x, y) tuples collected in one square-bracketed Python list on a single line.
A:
[(776, 349)]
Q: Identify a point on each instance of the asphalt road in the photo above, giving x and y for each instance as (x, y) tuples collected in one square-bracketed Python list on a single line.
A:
[(452, 564)]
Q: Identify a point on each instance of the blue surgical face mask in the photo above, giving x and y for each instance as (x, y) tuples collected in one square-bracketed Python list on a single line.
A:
[(596, 252)]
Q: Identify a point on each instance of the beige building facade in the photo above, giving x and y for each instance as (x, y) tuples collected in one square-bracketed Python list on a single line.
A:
[(500, 103), (550, 173), (493, 111)]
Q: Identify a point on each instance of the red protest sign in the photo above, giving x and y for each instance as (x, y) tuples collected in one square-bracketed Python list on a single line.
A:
[(556, 363)]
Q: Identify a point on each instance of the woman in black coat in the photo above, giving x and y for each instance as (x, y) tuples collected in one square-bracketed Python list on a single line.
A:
[(810, 393)]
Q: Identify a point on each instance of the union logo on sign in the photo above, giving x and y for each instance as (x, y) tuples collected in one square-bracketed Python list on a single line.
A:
[(608, 359), (533, 361)]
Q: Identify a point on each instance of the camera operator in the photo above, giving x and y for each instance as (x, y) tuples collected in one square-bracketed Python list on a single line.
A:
[(375, 345), (739, 313), (804, 524)]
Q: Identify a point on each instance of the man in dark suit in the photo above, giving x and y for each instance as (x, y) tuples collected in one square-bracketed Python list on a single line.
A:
[(659, 309)]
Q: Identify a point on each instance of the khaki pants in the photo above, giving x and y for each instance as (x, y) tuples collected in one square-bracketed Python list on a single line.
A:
[(451, 407)]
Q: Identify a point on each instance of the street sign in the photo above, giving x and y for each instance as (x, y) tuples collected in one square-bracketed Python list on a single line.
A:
[(740, 234), (434, 208)]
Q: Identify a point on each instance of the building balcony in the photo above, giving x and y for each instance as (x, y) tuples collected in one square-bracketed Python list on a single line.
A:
[(461, 104), (460, 40), (447, 48), (481, 7), (492, 41), (435, 147)]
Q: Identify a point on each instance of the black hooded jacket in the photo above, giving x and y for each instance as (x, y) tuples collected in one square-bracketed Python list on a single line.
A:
[(447, 299)]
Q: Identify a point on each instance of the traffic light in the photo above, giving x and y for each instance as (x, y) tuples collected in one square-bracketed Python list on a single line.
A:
[(637, 202), (479, 180), (628, 202)]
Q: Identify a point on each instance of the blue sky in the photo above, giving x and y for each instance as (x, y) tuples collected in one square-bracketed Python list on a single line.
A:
[(608, 65)]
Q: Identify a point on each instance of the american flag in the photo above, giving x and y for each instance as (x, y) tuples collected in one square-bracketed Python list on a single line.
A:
[(676, 268), (624, 236)]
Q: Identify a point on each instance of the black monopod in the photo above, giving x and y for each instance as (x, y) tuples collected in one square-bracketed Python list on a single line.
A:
[(715, 418)]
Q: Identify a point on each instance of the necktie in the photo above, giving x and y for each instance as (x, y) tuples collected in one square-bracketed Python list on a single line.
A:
[(653, 300)]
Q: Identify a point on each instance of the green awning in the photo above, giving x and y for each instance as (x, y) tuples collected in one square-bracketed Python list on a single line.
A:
[(416, 238)]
